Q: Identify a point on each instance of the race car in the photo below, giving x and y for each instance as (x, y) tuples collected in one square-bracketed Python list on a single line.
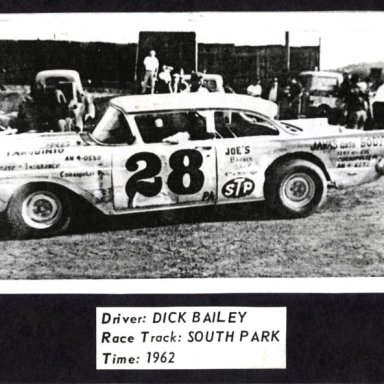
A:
[(161, 152)]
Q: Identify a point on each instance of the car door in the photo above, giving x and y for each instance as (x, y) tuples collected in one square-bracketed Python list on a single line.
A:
[(244, 147), (159, 173)]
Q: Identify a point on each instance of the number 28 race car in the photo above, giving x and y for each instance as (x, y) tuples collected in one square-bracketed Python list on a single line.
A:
[(158, 152)]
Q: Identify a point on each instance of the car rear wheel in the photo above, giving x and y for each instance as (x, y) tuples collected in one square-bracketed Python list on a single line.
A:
[(39, 210), (296, 189)]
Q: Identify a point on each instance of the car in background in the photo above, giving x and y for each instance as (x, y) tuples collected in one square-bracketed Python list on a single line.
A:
[(212, 82), (168, 151), (320, 94), (79, 102)]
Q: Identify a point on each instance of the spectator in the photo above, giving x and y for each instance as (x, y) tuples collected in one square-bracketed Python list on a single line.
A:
[(378, 108), (284, 103), (197, 83), (43, 109), (255, 90), (356, 108), (296, 92), (164, 84), (183, 85), (345, 86), (176, 82), (355, 80), (151, 66), (274, 91)]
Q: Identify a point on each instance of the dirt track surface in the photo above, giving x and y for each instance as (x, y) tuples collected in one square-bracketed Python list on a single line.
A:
[(345, 238)]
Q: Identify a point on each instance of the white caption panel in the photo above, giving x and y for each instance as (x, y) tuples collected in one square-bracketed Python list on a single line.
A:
[(191, 338)]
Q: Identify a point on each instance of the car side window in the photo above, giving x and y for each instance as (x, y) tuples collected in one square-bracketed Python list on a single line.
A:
[(113, 128), (173, 126), (231, 124)]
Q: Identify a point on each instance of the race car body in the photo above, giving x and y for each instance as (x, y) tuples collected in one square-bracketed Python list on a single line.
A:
[(159, 152)]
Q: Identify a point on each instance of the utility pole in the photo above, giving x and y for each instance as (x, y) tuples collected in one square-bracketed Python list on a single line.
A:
[(287, 53)]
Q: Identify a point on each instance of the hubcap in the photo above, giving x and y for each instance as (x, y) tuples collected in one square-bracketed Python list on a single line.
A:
[(298, 190), (41, 210)]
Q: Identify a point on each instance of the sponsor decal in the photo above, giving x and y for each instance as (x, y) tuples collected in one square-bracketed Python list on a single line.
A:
[(36, 152), (349, 145), (234, 159), (41, 166), (239, 187), (7, 167), (209, 196), (324, 145), (355, 158), (238, 154), (83, 158), (372, 141), (58, 145), (76, 174), (239, 150)]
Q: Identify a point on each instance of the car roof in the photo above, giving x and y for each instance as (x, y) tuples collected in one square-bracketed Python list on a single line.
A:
[(321, 73), (196, 100), (206, 76), (70, 74)]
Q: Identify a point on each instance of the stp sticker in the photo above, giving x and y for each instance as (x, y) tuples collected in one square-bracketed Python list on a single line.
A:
[(239, 187)]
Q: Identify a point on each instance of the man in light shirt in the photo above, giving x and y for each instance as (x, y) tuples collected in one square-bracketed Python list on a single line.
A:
[(151, 65), (255, 90)]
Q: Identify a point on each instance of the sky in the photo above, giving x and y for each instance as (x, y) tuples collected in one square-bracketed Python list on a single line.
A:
[(346, 37)]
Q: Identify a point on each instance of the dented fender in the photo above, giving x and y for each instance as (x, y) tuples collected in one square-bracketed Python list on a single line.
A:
[(99, 198)]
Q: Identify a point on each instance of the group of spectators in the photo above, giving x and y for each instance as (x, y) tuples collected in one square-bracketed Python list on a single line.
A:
[(353, 105), (167, 80), (353, 108), (43, 109), (287, 96)]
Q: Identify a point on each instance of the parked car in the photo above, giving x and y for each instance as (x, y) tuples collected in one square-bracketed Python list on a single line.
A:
[(213, 82), (161, 152), (79, 102), (320, 92)]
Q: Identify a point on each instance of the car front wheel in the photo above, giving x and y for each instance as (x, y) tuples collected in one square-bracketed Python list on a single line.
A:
[(296, 189), (39, 210)]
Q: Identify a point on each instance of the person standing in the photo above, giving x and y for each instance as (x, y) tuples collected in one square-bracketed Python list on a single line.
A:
[(255, 90), (345, 86), (164, 84), (151, 66), (197, 83), (273, 93), (296, 92), (357, 108)]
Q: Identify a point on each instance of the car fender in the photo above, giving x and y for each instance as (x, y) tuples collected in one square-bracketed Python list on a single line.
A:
[(101, 199)]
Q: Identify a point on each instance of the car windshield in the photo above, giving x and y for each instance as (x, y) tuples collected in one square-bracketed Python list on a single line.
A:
[(322, 83), (113, 128)]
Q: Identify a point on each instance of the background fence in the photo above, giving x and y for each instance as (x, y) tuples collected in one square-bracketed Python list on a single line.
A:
[(115, 64)]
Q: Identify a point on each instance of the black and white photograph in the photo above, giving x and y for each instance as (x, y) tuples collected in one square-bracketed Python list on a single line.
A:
[(191, 144), (191, 195)]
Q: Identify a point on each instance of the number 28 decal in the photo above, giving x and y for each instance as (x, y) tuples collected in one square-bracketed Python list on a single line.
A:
[(136, 184)]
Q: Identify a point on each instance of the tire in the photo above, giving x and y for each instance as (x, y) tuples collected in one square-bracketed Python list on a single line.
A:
[(295, 189), (38, 210)]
